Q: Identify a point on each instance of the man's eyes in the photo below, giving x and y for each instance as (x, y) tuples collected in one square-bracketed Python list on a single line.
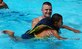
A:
[(48, 9)]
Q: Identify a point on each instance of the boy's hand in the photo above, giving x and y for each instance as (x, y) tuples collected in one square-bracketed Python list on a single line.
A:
[(76, 31), (69, 39), (63, 38)]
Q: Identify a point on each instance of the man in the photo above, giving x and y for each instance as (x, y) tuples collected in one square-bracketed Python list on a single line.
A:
[(47, 11)]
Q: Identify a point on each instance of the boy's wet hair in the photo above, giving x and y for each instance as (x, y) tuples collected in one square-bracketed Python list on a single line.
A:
[(56, 17), (47, 3)]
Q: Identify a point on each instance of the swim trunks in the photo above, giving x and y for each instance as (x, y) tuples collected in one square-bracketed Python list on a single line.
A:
[(27, 35)]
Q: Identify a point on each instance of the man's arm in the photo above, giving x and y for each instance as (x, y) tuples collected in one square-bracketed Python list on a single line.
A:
[(69, 28), (34, 22)]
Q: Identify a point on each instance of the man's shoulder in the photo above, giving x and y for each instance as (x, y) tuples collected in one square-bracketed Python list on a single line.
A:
[(37, 19)]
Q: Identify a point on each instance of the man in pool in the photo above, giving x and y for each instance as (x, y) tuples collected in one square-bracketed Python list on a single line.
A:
[(47, 11), (3, 5)]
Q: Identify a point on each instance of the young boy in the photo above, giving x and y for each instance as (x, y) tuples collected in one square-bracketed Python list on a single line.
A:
[(53, 24)]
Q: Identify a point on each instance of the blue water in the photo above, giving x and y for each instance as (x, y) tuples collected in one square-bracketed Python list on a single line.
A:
[(18, 18)]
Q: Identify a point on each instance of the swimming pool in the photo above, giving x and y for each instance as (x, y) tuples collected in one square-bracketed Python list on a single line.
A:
[(19, 18)]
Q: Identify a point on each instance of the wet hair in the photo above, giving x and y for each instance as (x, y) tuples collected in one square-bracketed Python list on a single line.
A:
[(47, 3), (56, 17)]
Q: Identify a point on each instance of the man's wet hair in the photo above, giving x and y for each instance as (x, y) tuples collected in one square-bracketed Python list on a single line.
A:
[(56, 17), (47, 3)]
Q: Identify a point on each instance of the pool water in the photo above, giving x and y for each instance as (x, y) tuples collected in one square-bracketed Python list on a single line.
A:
[(20, 14)]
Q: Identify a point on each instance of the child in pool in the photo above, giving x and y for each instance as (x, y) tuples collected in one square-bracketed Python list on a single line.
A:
[(53, 24)]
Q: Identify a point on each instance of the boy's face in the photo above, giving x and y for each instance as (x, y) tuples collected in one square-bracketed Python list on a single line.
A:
[(58, 24)]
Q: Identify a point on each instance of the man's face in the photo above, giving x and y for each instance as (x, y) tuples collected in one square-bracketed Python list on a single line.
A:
[(47, 10)]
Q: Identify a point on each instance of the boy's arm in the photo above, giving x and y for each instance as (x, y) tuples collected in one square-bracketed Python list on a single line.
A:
[(40, 27), (69, 28), (55, 33)]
